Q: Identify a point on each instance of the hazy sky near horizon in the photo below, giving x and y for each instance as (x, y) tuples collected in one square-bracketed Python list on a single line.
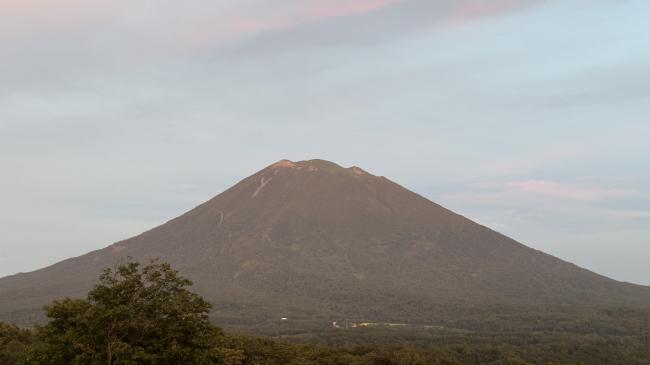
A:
[(529, 116)]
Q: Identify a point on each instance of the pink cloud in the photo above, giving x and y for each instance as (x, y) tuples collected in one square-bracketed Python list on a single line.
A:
[(519, 192), (152, 31), (135, 32), (328, 9), (472, 10), (192, 25), (567, 191), (30, 18), (299, 13), (249, 22), (223, 20)]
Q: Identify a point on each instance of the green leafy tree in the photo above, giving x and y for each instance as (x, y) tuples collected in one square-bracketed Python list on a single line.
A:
[(13, 343), (135, 315)]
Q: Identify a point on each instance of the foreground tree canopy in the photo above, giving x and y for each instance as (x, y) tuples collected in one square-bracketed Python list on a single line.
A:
[(135, 315), (13, 343)]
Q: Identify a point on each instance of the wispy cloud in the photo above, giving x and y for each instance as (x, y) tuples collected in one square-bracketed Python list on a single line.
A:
[(530, 192), (197, 24), (568, 191), (192, 20), (473, 10)]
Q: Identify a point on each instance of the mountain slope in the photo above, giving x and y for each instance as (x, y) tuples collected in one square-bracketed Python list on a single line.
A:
[(315, 239)]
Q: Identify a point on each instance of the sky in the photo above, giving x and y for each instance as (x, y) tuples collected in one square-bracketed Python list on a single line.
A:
[(529, 116)]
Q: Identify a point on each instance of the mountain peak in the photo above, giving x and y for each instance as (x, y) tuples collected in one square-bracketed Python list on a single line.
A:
[(284, 164), (314, 165)]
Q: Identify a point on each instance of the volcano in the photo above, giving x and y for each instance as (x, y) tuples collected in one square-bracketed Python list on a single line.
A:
[(314, 239)]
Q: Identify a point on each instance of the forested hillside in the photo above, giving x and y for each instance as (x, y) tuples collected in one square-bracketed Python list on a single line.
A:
[(147, 315)]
